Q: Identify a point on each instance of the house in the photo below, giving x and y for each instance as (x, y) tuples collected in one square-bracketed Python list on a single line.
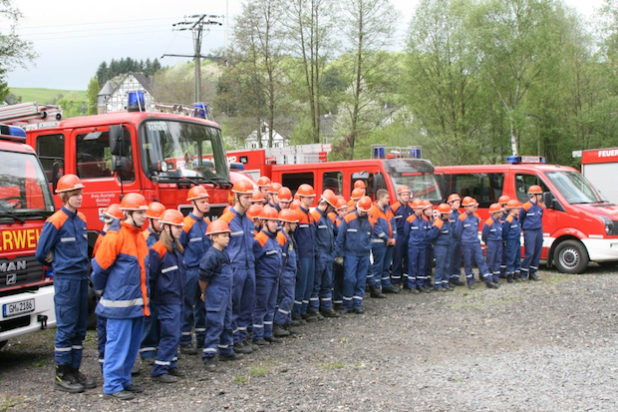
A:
[(113, 95), (251, 142)]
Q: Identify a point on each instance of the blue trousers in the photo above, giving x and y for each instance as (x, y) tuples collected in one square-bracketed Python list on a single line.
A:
[(416, 269), (193, 313), (243, 298), (264, 309), (455, 259), (533, 246), (386, 267), (71, 306), (150, 334), (513, 256), (219, 336), (378, 252), (168, 324), (322, 295), (503, 261), (304, 278), (338, 284), (101, 338), (123, 339), (428, 264), (472, 253), (354, 279), (442, 274), (285, 298), (400, 262), (494, 257)]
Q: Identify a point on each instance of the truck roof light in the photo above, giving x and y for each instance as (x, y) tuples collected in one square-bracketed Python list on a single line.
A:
[(525, 159), (237, 166), (13, 133), (201, 110), (136, 101)]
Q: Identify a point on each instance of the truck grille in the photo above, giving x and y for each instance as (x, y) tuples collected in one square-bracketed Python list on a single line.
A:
[(23, 270)]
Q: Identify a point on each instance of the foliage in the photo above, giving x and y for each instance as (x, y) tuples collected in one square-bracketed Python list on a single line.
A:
[(92, 95), (106, 71)]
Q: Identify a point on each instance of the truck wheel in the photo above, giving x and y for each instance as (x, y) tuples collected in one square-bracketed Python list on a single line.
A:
[(3, 344), (571, 257)]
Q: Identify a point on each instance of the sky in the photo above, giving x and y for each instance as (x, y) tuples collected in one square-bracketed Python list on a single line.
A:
[(72, 37)]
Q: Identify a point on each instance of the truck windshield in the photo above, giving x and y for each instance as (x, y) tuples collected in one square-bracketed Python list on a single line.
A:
[(174, 150), (23, 187), (574, 187)]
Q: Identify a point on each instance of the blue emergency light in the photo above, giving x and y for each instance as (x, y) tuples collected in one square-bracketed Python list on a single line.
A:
[(525, 159), (378, 152), (237, 166), (12, 132), (415, 153), (136, 101), (200, 110)]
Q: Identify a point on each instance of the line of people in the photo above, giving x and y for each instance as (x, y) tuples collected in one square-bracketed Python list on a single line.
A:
[(268, 265)]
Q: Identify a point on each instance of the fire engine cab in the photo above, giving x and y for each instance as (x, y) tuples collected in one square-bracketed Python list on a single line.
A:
[(579, 225)]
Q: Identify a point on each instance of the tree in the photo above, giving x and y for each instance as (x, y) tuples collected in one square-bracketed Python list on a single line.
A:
[(92, 96)]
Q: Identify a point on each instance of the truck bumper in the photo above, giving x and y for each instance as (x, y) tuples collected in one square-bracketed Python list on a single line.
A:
[(601, 250), (42, 317)]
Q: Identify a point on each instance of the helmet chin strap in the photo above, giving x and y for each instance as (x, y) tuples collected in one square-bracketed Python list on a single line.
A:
[(133, 220)]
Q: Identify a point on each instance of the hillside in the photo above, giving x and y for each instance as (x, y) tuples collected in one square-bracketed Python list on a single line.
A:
[(46, 95)]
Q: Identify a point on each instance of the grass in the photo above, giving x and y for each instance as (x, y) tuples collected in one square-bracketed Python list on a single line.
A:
[(46, 96), (241, 379), (7, 403), (331, 365), (39, 364), (259, 371)]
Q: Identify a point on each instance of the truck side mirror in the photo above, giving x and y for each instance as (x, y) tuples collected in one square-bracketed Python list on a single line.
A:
[(116, 141), (549, 200), (119, 163)]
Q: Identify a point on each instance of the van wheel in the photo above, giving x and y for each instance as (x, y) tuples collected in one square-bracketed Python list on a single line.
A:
[(571, 257)]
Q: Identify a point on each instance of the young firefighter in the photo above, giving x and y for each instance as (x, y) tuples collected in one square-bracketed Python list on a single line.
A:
[(64, 244), (414, 230), (361, 185), (492, 237), (273, 191), (381, 240), (467, 230), (305, 239), (531, 218), (263, 184), (428, 215), (401, 211), (253, 214), (119, 276), (354, 198), (167, 283), (284, 198), (258, 198), (503, 200), (511, 233), (321, 301), (268, 267), (285, 295), (216, 285), (195, 243), (441, 235), (342, 211), (454, 254), (154, 212), (352, 249)]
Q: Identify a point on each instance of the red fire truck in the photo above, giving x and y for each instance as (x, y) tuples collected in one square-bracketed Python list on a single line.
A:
[(600, 167), (26, 287)]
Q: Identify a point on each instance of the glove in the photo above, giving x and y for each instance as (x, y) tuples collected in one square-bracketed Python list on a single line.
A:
[(339, 260)]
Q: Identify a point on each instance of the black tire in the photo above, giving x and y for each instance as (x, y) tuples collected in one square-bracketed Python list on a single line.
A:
[(571, 256)]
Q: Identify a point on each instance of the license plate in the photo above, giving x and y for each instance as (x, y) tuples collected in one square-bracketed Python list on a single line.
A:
[(17, 308)]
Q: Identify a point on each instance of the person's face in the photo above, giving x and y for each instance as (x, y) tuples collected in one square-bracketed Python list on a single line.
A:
[(362, 213), (385, 200), (245, 201), (405, 197), (202, 205), (139, 217), (472, 209), (284, 205), (428, 211), (76, 199), (272, 225), (292, 226), (221, 239), (264, 191), (176, 231), (306, 201), (515, 211), (455, 204), (156, 225)]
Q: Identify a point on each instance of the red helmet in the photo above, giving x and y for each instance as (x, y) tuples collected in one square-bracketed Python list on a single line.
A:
[(364, 204), (418, 204), (288, 215), (155, 210), (295, 204), (269, 213), (274, 187), (360, 184), (453, 198), (254, 211), (197, 192), (469, 201), (330, 197), (217, 227), (68, 183), (444, 208), (243, 187), (495, 207), (403, 189), (504, 199), (257, 197), (427, 204), (512, 204), (263, 181), (172, 217), (535, 190), (284, 194), (113, 211), (357, 194), (306, 190), (133, 201), (342, 204)]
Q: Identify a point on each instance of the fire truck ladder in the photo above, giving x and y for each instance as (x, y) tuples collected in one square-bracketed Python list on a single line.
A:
[(201, 110), (31, 115)]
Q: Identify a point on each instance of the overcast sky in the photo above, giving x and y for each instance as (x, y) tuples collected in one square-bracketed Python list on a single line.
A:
[(73, 37)]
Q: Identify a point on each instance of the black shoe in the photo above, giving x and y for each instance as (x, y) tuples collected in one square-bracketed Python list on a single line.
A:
[(358, 311), (391, 290), (456, 282), (534, 277), (165, 378), (120, 396), (509, 278), (65, 381), (337, 306), (175, 372), (134, 389), (308, 318), (188, 350), (491, 285), (261, 342), (316, 315), (272, 340), (135, 370), (471, 286), (449, 288), (83, 380), (279, 331), (150, 360), (242, 347), (497, 283), (230, 358), (297, 322), (376, 293), (329, 313), (291, 330), (427, 289), (210, 364)]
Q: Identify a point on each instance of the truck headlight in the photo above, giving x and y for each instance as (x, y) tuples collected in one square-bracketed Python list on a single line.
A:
[(609, 225)]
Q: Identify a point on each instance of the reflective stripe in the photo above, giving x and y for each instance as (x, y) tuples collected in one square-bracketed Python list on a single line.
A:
[(267, 322), (238, 233), (85, 236), (209, 350), (241, 328), (200, 329), (258, 326), (305, 301), (298, 302), (353, 230), (186, 333), (325, 299), (344, 298), (223, 346), (303, 226), (322, 227), (101, 360), (121, 303), (99, 292), (169, 268), (358, 297), (159, 362), (285, 312), (67, 239), (195, 239), (271, 252), (313, 299), (77, 347), (146, 349), (63, 349), (377, 241), (337, 301)]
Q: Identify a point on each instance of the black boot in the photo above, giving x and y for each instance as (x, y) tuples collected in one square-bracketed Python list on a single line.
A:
[(375, 292), (391, 289), (83, 380), (509, 278), (534, 277), (279, 331), (65, 381)]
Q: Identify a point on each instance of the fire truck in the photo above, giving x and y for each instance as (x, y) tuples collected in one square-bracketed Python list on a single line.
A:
[(26, 287), (600, 167)]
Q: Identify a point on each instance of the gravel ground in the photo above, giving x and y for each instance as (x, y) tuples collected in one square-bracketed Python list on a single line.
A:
[(544, 346)]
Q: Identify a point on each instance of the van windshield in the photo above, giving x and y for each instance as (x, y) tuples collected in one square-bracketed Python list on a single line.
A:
[(575, 188)]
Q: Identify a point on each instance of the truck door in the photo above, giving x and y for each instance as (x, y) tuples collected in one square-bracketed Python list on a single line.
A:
[(50, 149)]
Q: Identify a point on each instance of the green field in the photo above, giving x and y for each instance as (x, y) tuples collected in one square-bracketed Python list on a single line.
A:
[(44, 96)]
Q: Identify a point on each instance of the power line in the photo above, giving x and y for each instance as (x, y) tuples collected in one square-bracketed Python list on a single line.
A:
[(100, 22), (98, 35)]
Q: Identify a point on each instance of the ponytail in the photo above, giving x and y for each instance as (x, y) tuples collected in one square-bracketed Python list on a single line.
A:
[(166, 239)]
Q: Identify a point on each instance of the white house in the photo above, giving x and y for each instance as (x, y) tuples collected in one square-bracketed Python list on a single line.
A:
[(251, 142), (114, 94)]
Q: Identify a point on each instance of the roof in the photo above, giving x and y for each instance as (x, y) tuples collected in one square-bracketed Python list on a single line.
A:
[(123, 117), (112, 84)]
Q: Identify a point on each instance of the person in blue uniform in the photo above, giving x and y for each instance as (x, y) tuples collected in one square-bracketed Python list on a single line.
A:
[(342, 211), (382, 240), (441, 236), (511, 233), (401, 211), (503, 201), (415, 231), (455, 254), (492, 237), (428, 215), (531, 218), (305, 239), (287, 281)]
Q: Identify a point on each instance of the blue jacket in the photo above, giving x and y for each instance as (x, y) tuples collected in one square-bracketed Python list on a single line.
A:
[(194, 240), (65, 235), (511, 229), (151, 237), (240, 249), (453, 221), (288, 253), (216, 269), (324, 233), (401, 213), (119, 273), (354, 237), (492, 231), (531, 216), (440, 232), (467, 228), (382, 222), (305, 233), (267, 252), (167, 275), (415, 230)]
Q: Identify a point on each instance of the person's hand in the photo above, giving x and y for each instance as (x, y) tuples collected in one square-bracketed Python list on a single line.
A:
[(391, 242), (49, 257), (203, 298)]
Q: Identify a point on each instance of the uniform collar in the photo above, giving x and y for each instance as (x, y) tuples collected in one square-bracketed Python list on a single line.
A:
[(68, 212), (197, 219), (130, 227), (267, 233)]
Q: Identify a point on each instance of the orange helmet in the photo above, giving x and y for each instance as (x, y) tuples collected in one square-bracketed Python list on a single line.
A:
[(295, 204), (342, 204), (427, 204), (243, 187), (113, 211), (495, 207), (269, 213), (329, 197), (504, 199), (418, 204), (172, 217), (360, 184), (197, 192), (305, 190), (357, 194), (217, 227), (535, 190), (453, 198), (444, 208), (469, 201), (155, 210), (257, 197), (133, 201), (512, 204), (254, 211), (68, 183), (364, 204), (288, 215), (403, 189), (263, 181), (274, 187), (284, 194)]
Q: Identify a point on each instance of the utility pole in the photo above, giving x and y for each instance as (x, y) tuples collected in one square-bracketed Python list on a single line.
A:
[(196, 24)]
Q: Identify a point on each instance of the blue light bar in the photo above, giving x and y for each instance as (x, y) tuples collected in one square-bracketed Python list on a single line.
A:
[(378, 152), (201, 110), (12, 133), (237, 166), (525, 159), (415, 153), (136, 101)]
